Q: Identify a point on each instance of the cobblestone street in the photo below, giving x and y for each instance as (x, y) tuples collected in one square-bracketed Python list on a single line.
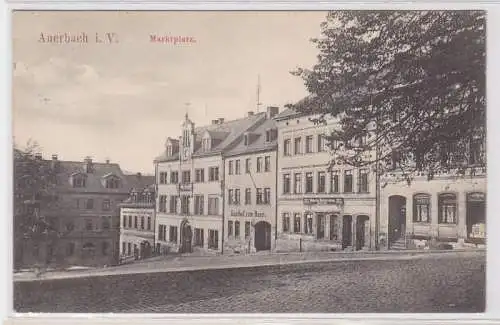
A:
[(433, 283)]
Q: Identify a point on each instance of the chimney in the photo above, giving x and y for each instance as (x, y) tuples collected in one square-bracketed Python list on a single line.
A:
[(221, 120), (138, 174), (88, 164), (54, 157), (215, 122), (272, 111), (107, 160), (250, 113)]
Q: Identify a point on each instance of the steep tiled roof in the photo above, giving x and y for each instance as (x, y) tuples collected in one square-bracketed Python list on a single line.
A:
[(258, 142), (140, 182), (95, 181), (225, 134)]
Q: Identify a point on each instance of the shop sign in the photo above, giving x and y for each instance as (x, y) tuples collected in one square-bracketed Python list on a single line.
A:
[(247, 214), (323, 201)]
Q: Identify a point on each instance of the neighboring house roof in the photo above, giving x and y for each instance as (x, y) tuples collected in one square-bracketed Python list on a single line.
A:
[(258, 142), (95, 181), (225, 134), (140, 182)]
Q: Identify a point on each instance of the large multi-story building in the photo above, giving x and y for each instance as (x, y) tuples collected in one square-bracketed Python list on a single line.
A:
[(190, 184), (450, 207), (320, 208), (137, 215), (250, 179), (82, 208)]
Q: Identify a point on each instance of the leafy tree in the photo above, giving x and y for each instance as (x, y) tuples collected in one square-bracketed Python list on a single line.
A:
[(34, 185), (408, 86)]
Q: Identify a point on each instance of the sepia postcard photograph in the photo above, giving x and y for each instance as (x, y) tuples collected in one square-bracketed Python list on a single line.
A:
[(249, 161)]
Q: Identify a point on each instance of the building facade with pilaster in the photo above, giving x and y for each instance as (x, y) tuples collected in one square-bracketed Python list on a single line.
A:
[(320, 208)]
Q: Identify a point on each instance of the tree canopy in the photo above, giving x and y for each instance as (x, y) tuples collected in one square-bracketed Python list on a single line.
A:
[(407, 85)]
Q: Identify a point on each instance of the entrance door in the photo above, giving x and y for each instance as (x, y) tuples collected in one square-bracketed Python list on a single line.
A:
[(361, 225), (186, 237), (262, 236), (476, 215), (333, 227), (397, 217), (346, 231)]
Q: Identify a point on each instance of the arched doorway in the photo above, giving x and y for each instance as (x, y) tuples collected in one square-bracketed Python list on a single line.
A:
[(397, 217), (362, 231), (262, 236), (186, 237), (145, 249)]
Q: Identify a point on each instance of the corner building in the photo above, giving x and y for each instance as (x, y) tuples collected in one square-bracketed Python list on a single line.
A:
[(191, 186), (318, 208), (250, 174)]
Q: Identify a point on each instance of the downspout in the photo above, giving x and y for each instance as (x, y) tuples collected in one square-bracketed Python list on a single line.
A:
[(223, 191)]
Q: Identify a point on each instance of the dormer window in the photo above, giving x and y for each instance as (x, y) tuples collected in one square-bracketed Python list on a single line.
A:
[(246, 139), (112, 182), (169, 150), (205, 144), (271, 135), (79, 181)]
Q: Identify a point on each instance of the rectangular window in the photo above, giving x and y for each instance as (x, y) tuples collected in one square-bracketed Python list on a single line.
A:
[(237, 196), (186, 177), (267, 195), (247, 229), (230, 197), (248, 196), (143, 223), (213, 174), (112, 182), (363, 181), (129, 249), (130, 221), (172, 234), (296, 223), (88, 224), (297, 183), (320, 225), (286, 183), (90, 204), (309, 182), (348, 181), (259, 197), (199, 237), (163, 177), (230, 167), (200, 175), (237, 167), (213, 206), (124, 222), (173, 204), (124, 248), (259, 164), (321, 182), (106, 204), (185, 202), (286, 222), (476, 151), (309, 144), (79, 181), (198, 204), (421, 207), (298, 146), (174, 177), (287, 146), (161, 232), (334, 181), (321, 143), (333, 227), (248, 163), (447, 208), (230, 228), (237, 229), (136, 223), (149, 223), (162, 204), (308, 224), (267, 164), (213, 239)]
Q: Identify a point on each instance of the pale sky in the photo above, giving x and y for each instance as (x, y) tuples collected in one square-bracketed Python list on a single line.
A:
[(122, 100)]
